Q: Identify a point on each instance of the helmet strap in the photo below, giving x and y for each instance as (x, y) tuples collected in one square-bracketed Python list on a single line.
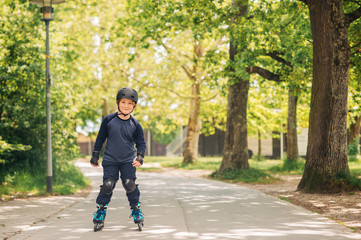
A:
[(120, 112)]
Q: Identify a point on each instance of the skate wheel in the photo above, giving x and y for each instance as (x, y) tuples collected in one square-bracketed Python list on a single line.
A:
[(98, 226)]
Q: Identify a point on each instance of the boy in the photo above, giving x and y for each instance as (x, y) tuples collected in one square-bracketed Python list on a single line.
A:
[(122, 132)]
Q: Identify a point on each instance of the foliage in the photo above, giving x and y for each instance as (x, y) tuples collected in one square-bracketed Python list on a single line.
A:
[(345, 181), (266, 111), (22, 87), (178, 44), (261, 169), (353, 148), (146, 44), (354, 97), (8, 148), (289, 166), (68, 179), (279, 40), (22, 114), (23, 184)]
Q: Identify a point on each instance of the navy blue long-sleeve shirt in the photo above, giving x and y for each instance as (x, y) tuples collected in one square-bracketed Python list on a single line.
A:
[(124, 139)]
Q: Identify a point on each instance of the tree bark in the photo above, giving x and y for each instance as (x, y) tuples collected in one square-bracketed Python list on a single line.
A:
[(235, 152), (190, 153), (292, 145), (259, 146), (355, 130), (327, 140)]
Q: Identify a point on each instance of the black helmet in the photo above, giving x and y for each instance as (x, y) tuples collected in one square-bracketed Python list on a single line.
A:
[(128, 93)]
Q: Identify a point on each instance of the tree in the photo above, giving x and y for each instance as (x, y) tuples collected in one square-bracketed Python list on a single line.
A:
[(284, 56), (327, 140), (193, 25), (271, 45), (235, 152), (266, 111), (22, 86), (21, 90), (354, 101)]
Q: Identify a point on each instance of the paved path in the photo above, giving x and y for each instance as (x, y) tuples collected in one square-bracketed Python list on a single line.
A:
[(175, 208)]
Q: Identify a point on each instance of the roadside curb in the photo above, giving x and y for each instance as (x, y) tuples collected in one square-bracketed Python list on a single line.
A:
[(21, 215)]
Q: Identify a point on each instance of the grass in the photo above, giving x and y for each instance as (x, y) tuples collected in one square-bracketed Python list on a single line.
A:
[(69, 179), (355, 166), (286, 199), (208, 163), (21, 184), (256, 174), (164, 161), (251, 175), (259, 172)]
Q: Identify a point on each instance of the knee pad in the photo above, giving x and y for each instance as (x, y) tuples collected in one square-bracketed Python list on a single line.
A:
[(108, 186), (129, 185)]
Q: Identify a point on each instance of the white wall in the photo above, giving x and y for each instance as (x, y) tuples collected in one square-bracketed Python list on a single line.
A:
[(267, 144)]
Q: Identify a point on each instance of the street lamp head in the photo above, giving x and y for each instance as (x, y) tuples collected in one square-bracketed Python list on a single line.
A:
[(47, 7)]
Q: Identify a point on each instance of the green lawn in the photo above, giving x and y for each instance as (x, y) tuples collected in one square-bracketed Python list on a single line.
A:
[(209, 163), (67, 180), (260, 171)]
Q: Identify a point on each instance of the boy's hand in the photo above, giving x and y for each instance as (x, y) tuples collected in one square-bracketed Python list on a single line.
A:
[(138, 161), (94, 161)]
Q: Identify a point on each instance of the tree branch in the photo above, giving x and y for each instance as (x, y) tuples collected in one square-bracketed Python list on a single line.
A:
[(148, 85), (275, 56), (350, 17), (264, 73), (293, 18), (206, 100), (170, 52), (188, 71), (357, 45)]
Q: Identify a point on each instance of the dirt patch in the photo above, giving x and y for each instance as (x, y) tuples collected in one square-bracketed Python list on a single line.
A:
[(344, 208)]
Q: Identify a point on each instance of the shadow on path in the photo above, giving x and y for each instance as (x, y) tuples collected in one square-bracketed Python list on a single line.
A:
[(188, 208)]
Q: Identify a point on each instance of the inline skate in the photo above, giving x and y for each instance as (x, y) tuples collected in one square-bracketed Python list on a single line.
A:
[(99, 217), (137, 215)]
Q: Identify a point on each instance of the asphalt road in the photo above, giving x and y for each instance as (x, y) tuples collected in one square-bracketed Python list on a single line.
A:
[(184, 208)]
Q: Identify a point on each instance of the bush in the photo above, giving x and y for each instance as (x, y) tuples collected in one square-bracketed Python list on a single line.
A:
[(353, 148), (244, 175), (346, 181), (67, 180), (289, 165)]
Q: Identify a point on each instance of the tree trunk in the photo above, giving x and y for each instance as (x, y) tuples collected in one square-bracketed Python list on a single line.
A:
[(327, 139), (355, 130), (190, 153), (235, 152), (292, 145), (105, 107), (259, 146)]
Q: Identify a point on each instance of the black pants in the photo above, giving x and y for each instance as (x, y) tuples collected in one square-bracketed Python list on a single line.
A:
[(112, 171)]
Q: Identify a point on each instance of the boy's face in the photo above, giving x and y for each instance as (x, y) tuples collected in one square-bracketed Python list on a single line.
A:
[(126, 106)]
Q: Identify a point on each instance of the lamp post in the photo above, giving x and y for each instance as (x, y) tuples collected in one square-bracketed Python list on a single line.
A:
[(47, 10)]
